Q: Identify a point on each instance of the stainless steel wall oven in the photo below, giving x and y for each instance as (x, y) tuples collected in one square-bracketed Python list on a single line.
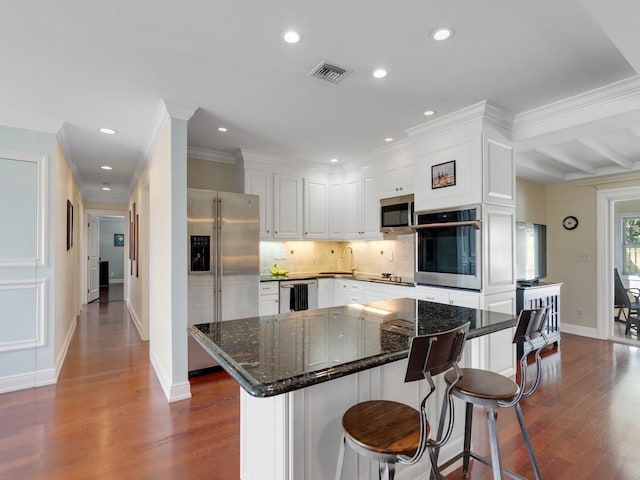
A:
[(448, 248)]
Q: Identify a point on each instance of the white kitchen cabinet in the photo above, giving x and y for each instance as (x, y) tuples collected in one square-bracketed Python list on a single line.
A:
[(268, 298), (287, 203), (316, 209), (460, 298), (260, 183), (336, 209), (362, 207), (325, 292), (396, 178), (348, 291), (381, 291)]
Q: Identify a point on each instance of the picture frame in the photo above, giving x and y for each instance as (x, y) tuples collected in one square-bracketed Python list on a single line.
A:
[(118, 239), (69, 225), (443, 175)]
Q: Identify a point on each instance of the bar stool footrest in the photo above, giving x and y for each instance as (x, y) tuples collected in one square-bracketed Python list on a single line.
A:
[(481, 459)]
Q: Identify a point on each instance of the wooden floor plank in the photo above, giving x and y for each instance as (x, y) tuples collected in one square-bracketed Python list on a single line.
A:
[(107, 417)]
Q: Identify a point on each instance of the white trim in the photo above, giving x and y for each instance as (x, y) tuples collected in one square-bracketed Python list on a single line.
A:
[(116, 280), (38, 378), (26, 122), (211, 155), (136, 321), (180, 112), (40, 159), (66, 145), (173, 392), (65, 346), (40, 330), (579, 330)]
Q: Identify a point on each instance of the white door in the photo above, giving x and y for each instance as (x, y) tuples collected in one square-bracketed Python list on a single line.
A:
[(93, 259)]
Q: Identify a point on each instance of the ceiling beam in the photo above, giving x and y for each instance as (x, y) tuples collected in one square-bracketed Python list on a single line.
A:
[(566, 159), (524, 161), (606, 151)]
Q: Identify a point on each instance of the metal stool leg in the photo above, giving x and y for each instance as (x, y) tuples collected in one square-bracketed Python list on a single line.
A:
[(496, 464), (527, 441), (468, 422), (340, 458), (387, 470)]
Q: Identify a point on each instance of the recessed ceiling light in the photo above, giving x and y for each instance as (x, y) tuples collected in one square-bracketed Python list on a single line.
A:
[(441, 34), (380, 73), (107, 131), (429, 113), (334, 160), (222, 129), (291, 36), (106, 189), (106, 167), (388, 139)]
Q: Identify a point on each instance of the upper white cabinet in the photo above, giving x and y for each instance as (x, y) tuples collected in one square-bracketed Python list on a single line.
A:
[(361, 206), (396, 177), (336, 209), (316, 208), (287, 207), (260, 183)]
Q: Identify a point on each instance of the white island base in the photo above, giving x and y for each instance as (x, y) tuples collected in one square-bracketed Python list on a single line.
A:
[(296, 435)]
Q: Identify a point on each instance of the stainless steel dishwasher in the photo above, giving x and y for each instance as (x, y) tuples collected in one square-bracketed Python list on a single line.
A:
[(285, 293)]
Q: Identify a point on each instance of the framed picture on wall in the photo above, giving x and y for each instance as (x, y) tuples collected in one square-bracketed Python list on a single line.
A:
[(69, 225), (118, 239), (443, 174)]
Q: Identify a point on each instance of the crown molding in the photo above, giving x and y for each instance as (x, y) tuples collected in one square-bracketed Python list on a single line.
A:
[(478, 112), (27, 122), (614, 99), (181, 112), (211, 155)]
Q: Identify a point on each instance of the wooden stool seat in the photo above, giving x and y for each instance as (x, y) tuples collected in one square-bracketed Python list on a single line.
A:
[(483, 385), (384, 427)]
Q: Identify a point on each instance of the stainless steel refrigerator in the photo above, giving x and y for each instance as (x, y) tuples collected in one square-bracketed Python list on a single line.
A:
[(224, 262)]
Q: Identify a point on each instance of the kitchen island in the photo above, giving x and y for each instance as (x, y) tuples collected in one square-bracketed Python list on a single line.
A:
[(300, 371)]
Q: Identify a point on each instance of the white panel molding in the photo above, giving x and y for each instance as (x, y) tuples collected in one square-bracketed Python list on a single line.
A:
[(42, 194), (606, 151), (211, 155), (172, 391), (566, 159), (65, 346), (40, 331)]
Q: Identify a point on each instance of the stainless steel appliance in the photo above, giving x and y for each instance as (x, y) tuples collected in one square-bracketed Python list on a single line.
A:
[(285, 293), (448, 248), (224, 262), (396, 214)]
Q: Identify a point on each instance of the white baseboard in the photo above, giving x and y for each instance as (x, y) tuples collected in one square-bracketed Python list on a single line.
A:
[(116, 280), (65, 346), (136, 321), (579, 330), (11, 383), (173, 392)]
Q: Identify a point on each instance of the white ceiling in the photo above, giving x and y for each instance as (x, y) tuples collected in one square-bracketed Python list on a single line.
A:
[(88, 64)]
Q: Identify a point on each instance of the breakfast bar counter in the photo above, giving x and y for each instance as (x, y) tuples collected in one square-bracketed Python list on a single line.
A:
[(300, 371)]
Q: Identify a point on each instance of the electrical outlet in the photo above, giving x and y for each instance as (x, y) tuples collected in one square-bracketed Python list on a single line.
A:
[(582, 257), (390, 256), (579, 314)]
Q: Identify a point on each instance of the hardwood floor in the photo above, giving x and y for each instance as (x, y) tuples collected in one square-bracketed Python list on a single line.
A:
[(107, 417)]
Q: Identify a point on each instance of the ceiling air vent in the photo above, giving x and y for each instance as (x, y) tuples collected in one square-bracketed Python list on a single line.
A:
[(328, 72)]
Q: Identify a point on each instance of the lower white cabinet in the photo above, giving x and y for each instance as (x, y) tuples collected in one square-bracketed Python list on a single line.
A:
[(347, 291), (460, 298), (325, 292), (268, 298), (377, 291)]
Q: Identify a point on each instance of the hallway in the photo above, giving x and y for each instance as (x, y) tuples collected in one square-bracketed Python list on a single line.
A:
[(107, 417)]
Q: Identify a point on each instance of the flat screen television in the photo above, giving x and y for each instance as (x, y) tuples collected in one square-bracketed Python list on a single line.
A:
[(531, 251)]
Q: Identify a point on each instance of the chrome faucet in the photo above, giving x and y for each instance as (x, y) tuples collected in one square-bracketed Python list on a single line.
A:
[(348, 247)]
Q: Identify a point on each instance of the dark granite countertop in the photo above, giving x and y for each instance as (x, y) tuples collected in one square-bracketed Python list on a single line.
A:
[(347, 275), (276, 354)]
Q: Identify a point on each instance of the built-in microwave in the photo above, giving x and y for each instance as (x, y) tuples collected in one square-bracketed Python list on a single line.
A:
[(448, 248), (396, 214)]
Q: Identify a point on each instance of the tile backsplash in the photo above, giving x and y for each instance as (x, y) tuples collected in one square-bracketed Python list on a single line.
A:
[(374, 257)]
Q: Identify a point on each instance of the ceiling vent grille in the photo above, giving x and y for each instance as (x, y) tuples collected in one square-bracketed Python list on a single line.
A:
[(329, 72)]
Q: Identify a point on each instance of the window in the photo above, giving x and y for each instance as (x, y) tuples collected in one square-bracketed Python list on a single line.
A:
[(631, 244)]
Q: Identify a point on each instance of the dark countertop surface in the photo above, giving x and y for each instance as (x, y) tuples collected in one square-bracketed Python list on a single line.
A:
[(276, 354), (307, 276)]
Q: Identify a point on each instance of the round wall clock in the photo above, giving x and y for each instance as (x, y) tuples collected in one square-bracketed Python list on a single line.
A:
[(570, 222)]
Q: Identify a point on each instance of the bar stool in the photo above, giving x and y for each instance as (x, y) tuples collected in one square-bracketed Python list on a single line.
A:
[(392, 432), (492, 390)]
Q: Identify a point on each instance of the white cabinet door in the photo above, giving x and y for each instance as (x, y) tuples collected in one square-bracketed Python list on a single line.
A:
[(316, 205), (325, 292), (268, 298), (459, 298), (370, 208), (261, 184), (336, 210), (464, 299), (429, 294), (353, 208), (390, 181), (287, 214)]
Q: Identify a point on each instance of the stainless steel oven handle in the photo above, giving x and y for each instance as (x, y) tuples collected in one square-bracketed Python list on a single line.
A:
[(470, 223)]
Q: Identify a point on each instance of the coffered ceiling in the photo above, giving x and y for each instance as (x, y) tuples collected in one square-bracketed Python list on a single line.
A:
[(565, 68)]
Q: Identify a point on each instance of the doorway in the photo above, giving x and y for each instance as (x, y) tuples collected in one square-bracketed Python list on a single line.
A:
[(612, 206)]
